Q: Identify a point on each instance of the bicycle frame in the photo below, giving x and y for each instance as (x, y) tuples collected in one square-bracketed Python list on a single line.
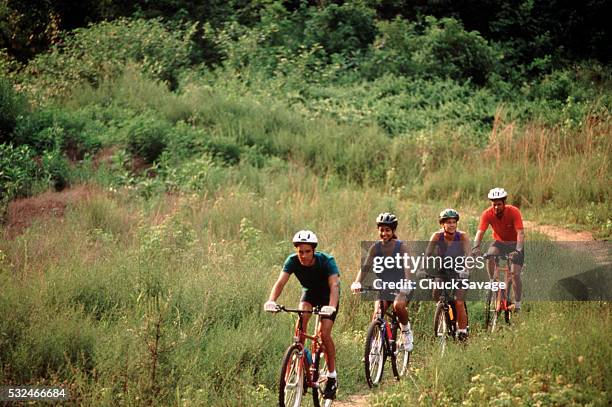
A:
[(387, 327), (445, 316), (299, 338), (446, 300), (502, 296), (381, 342)]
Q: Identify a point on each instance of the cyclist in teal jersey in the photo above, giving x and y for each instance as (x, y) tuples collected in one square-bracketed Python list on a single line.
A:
[(319, 276)]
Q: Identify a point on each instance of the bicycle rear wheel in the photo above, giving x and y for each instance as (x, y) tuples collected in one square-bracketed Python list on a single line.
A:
[(440, 326), (509, 300), (374, 355), (320, 366), (291, 384), (489, 309), (400, 357)]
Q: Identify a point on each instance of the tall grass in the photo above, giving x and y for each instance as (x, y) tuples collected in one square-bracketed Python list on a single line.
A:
[(554, 355)]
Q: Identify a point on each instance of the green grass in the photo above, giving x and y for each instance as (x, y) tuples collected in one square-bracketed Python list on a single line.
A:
[(555, 354)]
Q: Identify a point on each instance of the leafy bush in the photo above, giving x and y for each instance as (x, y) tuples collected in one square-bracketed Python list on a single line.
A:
[(448, 50), (341, 29), (18, 172), (76, 133), (87, 55), (147, 137), (442, 49), (55, 169), (13, 105)]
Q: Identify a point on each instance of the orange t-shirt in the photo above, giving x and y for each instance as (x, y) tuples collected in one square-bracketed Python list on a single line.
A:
[(504, 229)]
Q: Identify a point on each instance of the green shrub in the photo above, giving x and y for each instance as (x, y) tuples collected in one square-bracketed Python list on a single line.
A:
[(74, 132), (341, 29), (147, 137), (18, 171), (13, 105), (55, 169), (443, 49), (87, 55)]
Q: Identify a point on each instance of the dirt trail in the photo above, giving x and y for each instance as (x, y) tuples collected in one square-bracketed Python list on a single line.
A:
[(558, 233), (356, 400)]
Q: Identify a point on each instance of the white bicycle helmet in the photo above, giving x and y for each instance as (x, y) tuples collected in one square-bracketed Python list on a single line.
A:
[(497, 193), (305, 236), (387, 219)]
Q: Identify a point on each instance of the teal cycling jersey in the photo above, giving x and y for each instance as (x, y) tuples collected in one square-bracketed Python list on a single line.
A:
[(313, 278)]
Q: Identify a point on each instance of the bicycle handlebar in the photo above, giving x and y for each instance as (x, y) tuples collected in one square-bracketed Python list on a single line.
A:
[(316, 310), (498, 256)]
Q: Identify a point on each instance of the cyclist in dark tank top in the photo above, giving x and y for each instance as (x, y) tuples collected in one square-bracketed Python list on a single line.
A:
[(390, 246)]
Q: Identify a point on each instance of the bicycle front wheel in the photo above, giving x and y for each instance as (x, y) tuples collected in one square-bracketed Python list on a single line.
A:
[(489, 309), (497, 306), (291, 385), (401, 357), (374, 355), (440, 326), (320, 366)]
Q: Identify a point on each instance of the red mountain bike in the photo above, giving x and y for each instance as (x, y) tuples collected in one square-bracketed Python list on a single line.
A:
[(499, 302), (303, 368)]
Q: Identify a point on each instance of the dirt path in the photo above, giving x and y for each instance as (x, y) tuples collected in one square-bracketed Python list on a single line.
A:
[(356, 400), (558, 233)]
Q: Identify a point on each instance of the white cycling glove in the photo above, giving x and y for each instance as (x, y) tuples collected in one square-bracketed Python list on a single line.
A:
[(356, 286), (327, 310), (463, 275), (421, 275), (271, 306)]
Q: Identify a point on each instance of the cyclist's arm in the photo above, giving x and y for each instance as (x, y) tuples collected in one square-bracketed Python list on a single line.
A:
[(520, 239), (482, 228), (431, 246), (429, 251), (478, 239), (465, 244), (334, 290), (407, 270), (366, 267), (277, 288)]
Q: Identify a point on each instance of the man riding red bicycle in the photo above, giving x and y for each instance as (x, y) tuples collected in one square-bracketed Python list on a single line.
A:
[(318, 274), (507, 224)]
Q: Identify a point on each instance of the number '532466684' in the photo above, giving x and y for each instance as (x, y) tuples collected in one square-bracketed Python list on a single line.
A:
[(24, 393)]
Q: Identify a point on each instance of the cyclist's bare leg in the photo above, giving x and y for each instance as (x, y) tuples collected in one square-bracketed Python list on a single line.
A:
[(517, 285), (306, 306), (491, 261), (435, 293), (377, 308), (328, 343), (400, 307), (460, 307)]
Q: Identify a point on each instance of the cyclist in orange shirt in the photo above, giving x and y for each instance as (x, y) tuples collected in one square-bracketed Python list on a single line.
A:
[(508, 232)]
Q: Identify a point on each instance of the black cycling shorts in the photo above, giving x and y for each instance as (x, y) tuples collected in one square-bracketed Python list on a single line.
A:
[(319, 301), (506, 248)]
